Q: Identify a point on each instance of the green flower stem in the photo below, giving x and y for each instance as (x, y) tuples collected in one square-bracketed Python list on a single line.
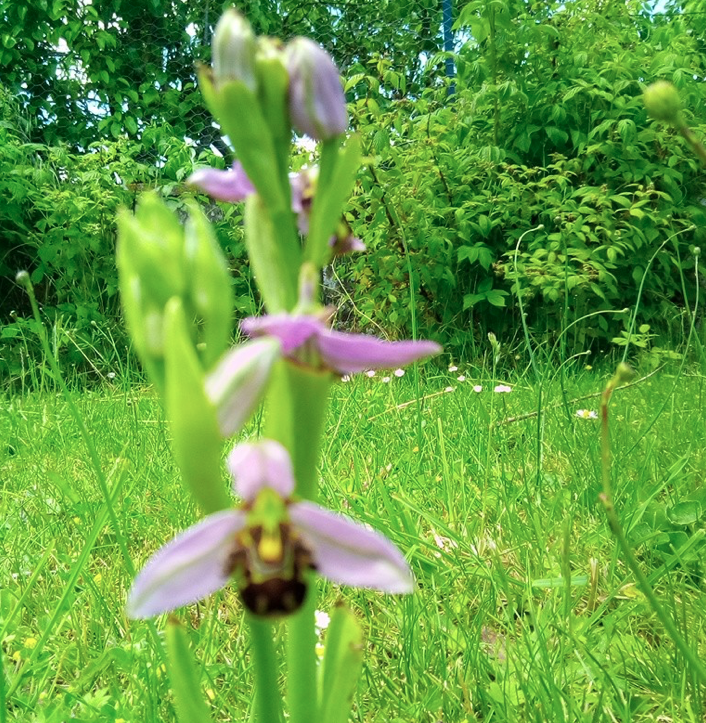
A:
[(690, 656), (302, 678), (296, 412), (268, 703), (297, 403), (690, 137), (274, 254)]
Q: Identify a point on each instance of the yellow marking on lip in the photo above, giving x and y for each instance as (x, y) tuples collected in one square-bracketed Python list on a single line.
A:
[(270, 548)]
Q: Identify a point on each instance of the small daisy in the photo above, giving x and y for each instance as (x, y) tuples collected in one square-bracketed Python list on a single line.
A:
[(477, 388), (453, 369), (399, 372), (450, 389), (502, 389), (322, 621), (111, 375), (345, 378), (461, 378), (370, 373), (386, 380), (586, 414)]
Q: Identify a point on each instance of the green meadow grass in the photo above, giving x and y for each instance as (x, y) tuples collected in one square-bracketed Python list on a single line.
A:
[(525, 610)]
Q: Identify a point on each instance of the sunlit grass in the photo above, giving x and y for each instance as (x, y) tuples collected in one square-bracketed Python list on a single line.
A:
[(493, 499)]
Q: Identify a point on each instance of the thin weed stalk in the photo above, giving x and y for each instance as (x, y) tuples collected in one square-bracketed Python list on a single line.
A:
[(606, 497)]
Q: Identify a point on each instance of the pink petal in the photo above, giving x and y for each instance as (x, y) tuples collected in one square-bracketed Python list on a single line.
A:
[(238, 383), (350, 353), (190, 567), (346, 552), (231, 186), (346, 244), (292, 331), (261, 464)]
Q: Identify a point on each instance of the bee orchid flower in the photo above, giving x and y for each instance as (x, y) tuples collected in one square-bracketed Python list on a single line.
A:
[(268, 547)]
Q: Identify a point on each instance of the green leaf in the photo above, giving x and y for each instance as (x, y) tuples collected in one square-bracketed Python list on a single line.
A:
[(184, 677), (196, 436), (343, 661), (685, 513), (469, 253), (556, 135), (496, 297)]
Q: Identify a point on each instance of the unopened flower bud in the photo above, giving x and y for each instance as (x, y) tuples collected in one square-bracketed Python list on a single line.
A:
[(234, 50), (22, 278), (662, 101), (623, 374), (317, 104)]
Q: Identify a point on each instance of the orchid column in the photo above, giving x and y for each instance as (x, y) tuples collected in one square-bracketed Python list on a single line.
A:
[(178, 306)]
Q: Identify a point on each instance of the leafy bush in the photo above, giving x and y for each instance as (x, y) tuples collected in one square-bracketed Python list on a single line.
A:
[(59, 224), (542, 178)]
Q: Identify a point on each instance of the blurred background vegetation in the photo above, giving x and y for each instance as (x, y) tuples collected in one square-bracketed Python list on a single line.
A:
[(517, 172)]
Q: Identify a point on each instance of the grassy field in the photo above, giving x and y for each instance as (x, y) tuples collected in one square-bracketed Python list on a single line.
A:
[(525, 609)]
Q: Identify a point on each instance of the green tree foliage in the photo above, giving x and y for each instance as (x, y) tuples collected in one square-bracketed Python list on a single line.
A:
[(94, 70)]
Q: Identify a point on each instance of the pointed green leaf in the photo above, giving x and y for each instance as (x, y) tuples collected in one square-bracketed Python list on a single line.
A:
[(183, 675), (343, 660), (334, 186), (196, 436)]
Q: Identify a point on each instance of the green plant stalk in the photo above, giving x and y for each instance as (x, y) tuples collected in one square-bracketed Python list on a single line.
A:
[(690, 137), (268, 704), (302, 678), (297, 403), (491, 425), (692, 314), (535, 367), (3, 706), (24, 280), (690, 656)]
